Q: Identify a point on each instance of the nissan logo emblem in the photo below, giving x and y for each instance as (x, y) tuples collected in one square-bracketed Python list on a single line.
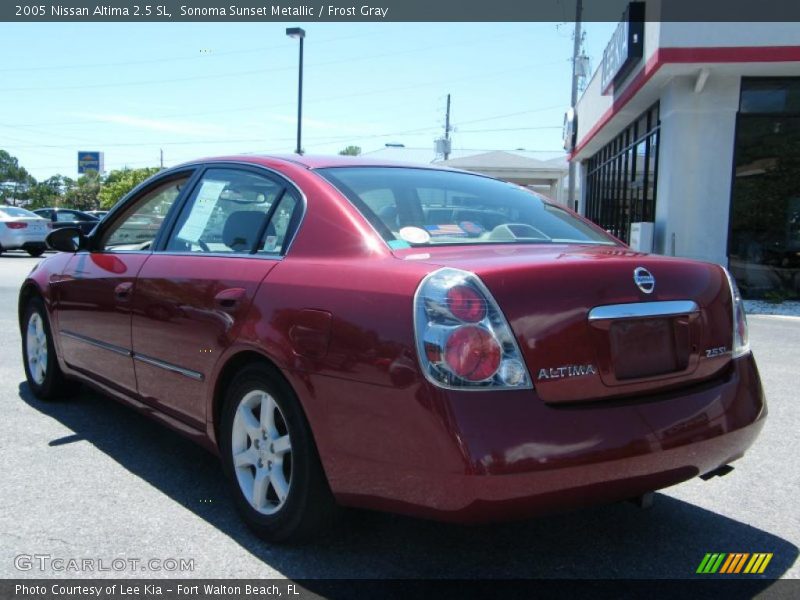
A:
[(644, 280)]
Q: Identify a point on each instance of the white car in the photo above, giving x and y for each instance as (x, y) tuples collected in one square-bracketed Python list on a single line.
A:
[(21, 229)]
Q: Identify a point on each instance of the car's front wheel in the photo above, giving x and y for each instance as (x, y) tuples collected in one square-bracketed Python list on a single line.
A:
[(44, 376), (36, 252), (271, 460)]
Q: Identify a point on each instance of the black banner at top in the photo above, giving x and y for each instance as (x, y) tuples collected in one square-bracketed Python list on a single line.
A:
[(391, 10)]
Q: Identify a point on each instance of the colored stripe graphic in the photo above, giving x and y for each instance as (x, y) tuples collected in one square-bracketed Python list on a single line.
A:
[(733, 563), (758, 563), (731, 560), (711, 563)]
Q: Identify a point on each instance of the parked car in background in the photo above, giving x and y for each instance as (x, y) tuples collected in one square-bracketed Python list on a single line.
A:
[(97, 213), (412, 339), (21, 229), (68, 217)]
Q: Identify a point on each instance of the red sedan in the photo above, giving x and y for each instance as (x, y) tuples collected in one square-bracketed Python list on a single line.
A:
[(410, 339)]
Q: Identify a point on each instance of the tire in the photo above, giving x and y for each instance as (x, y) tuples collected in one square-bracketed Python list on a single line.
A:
[(36, 252), (279, 489), (44, 376)]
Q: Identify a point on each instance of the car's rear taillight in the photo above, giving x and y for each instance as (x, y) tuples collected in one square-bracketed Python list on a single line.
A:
[(741, 337), (466, 304), (463, 339), (16, 225), (472, 353)]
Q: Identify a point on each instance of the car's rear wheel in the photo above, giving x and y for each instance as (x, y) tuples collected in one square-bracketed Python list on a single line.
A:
[(270, 458), (44, 376), (36, 252)]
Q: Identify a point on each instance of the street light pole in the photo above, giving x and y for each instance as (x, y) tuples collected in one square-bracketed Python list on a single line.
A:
[(297, 32)]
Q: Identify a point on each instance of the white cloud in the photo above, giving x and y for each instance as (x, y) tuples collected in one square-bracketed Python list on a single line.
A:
[(318, 124), (167, 125)]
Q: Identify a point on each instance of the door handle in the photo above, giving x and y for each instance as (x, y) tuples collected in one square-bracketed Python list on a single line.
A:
[(123, 291), (229, 299)]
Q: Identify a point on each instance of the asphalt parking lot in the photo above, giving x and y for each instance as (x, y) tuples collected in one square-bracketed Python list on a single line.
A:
[(89, 478)]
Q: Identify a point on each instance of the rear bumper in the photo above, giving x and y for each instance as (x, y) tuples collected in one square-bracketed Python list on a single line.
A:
[(11, 240), (521, 457)]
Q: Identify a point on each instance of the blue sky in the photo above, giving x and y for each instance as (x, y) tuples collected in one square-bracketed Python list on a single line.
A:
[(196, 90)]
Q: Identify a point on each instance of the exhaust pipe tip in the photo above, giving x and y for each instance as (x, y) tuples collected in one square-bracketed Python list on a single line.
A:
[(718, 472)]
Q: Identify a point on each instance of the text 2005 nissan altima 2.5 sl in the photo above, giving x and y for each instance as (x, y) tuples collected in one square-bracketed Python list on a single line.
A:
[(409, 339)]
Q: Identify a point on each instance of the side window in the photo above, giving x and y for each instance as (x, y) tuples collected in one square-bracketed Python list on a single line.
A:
[(228, 213), (281, 225), (64, 216), (138, 227)]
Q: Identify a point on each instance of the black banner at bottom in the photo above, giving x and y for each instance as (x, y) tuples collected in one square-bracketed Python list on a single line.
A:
[(306, 589)]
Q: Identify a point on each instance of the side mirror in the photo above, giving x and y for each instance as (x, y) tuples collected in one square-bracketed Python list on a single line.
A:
[(66, 239)]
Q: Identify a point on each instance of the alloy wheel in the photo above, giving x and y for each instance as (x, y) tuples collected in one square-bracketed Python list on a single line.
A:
[(36, 343), (262, 452)]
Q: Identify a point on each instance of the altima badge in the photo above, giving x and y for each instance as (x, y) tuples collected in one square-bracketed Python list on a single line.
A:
[(644, 280), (567, 371)]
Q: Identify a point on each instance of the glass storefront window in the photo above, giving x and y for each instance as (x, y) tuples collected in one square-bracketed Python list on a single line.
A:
[(764, 242), (620, 178), (770, 95)]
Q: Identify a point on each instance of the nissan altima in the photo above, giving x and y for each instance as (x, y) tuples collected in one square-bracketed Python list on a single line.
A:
[(431, 342)]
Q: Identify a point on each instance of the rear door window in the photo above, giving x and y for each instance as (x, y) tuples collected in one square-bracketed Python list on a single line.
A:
[(234, 211), (66, 216)]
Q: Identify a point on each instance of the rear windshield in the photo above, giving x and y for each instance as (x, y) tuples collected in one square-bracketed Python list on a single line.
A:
[(424, 207), (13, 212)]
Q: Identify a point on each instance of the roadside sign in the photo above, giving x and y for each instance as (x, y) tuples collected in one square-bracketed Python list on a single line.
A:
[(90, 161)]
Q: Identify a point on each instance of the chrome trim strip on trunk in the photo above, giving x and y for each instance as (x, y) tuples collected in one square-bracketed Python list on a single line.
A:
[(97, 343), (169, 367), (641, 310)]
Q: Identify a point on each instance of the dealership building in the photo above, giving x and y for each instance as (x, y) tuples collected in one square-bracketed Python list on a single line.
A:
[(687, 139)]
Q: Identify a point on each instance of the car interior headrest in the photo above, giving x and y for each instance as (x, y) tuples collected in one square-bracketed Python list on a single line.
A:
[(241, 229)]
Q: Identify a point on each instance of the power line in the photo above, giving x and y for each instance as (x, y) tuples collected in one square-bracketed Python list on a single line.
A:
[(508, 129), (323, 139), (237, 73), (522, 112), (495, 75), (175, 58), (92, 86)]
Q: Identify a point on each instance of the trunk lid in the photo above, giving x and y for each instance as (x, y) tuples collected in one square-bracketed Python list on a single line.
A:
[(33, 226), (587, 331)]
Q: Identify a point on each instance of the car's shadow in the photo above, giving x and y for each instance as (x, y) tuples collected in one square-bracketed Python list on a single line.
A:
[(615, 541)]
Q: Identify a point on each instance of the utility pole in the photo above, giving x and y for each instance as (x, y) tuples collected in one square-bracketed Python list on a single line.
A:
[(161, 161), (576, 49), (447, 130)]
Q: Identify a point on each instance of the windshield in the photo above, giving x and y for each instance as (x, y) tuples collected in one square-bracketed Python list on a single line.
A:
[(424, 207)]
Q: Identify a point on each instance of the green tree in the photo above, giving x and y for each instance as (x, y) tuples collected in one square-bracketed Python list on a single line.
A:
[(120, 182), (49, 192), (84, 195), (351, 151), (15, 181)]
